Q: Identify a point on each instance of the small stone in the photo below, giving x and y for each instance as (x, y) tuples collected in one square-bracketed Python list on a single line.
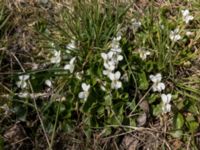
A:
[(141, 120)]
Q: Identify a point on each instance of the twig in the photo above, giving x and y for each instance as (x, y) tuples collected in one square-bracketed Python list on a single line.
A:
[(131, 113), (188, 145), (29, 95), (20, 140)]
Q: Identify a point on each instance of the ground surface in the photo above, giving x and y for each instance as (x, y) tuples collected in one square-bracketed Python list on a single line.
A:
[(58, 89)]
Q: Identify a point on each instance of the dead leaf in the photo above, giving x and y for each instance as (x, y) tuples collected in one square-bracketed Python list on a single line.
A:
[(15, 133), (144, 105), (129, 142)]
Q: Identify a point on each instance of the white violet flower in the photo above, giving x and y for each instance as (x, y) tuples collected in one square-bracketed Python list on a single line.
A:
[(110, 65), (114, 77), (119, 57), (48, 83), (157, 84), (118, 38), (79, 75), (107, 72), (71, 65), (111, 60), (24, 77), (6, 109), (186, 16), (85, 93), (135, 24), (174, 35), (166, 107), (71, 45), (116, 48), (56, 57), (162, 26), (22, 81), (52, 45), (108, 56), (143, 54), (115, 45)]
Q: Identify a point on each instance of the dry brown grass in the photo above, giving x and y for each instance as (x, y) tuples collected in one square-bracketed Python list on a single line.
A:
[(23, 42)]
